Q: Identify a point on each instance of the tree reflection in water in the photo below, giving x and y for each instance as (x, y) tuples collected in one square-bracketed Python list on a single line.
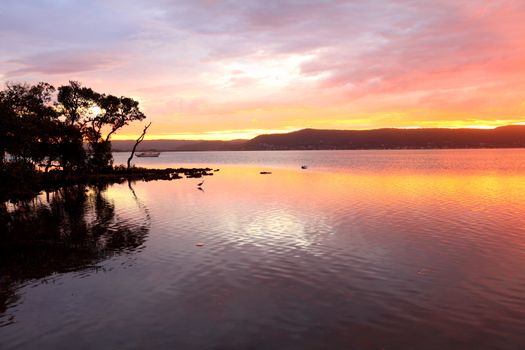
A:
[(72, 229)]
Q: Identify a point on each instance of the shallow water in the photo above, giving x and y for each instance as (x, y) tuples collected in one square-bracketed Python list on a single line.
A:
[(364, 249)]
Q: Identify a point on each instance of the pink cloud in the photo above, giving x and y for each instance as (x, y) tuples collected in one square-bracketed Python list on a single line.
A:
[(398, 55), (63, 62), (454, 47)]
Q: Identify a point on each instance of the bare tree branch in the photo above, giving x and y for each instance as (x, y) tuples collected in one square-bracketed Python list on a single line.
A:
[(139, 140)]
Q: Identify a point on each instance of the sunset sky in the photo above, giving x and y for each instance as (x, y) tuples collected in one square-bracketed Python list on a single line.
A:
[(239, 68)]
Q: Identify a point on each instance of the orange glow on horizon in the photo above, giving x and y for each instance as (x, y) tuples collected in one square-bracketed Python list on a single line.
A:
[(228, 135), (225, 135)]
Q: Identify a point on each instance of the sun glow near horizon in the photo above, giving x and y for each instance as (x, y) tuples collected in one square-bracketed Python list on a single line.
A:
[(228, 135), (223, 135)]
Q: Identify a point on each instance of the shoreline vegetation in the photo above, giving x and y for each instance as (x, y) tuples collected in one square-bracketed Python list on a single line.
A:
[(15, 190), (56, 137)]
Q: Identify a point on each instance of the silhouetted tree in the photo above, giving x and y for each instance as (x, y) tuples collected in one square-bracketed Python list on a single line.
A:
[(29, 116), (47, 128), (9, 128), (95, 114), (76, 103)]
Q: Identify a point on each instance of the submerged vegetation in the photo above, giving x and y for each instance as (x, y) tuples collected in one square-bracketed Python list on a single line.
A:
[(55, 136)]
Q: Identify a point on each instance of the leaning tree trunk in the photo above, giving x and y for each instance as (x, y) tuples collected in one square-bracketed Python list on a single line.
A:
[(139, 140)]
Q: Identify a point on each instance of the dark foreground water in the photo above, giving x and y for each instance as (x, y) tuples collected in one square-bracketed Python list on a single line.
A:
[(363, 250)]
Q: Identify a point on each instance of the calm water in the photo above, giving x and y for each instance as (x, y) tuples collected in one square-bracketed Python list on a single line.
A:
[(363, 250)]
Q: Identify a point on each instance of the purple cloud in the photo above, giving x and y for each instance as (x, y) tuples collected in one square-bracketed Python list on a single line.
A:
[(343, 55), (63, 62)]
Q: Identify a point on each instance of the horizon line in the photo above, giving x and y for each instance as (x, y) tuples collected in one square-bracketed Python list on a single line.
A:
[(205, 136)]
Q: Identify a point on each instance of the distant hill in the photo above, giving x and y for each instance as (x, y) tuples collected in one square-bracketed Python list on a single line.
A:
[(502, 137), (233, 145), (315, 139)]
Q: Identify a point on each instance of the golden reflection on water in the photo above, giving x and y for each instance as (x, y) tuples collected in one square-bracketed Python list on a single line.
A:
[(323, 185), (393, 256), (290, 199)]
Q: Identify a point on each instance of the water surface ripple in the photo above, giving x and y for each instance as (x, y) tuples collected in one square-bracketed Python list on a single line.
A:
[(363, 250)]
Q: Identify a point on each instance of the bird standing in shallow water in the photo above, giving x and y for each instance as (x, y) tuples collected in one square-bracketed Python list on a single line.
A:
[(200, 184)]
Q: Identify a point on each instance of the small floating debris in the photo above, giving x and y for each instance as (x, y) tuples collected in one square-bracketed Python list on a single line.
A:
[(199, 244), (304, 167), (265, 172), (423, 271)]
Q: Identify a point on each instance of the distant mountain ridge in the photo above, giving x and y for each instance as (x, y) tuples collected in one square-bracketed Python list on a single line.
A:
[(512, 136)]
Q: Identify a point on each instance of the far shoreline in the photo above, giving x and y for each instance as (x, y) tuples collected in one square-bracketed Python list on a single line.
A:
[(309, 150), (511, 136)]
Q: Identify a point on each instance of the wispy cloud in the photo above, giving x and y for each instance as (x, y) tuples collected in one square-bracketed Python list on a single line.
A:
[(240, 64), (63, 62)]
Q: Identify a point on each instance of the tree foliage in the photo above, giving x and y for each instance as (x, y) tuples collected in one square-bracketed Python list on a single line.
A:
[(68, 129)]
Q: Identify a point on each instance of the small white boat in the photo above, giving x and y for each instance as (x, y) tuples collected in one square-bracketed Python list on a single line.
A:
[(148, 154)]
